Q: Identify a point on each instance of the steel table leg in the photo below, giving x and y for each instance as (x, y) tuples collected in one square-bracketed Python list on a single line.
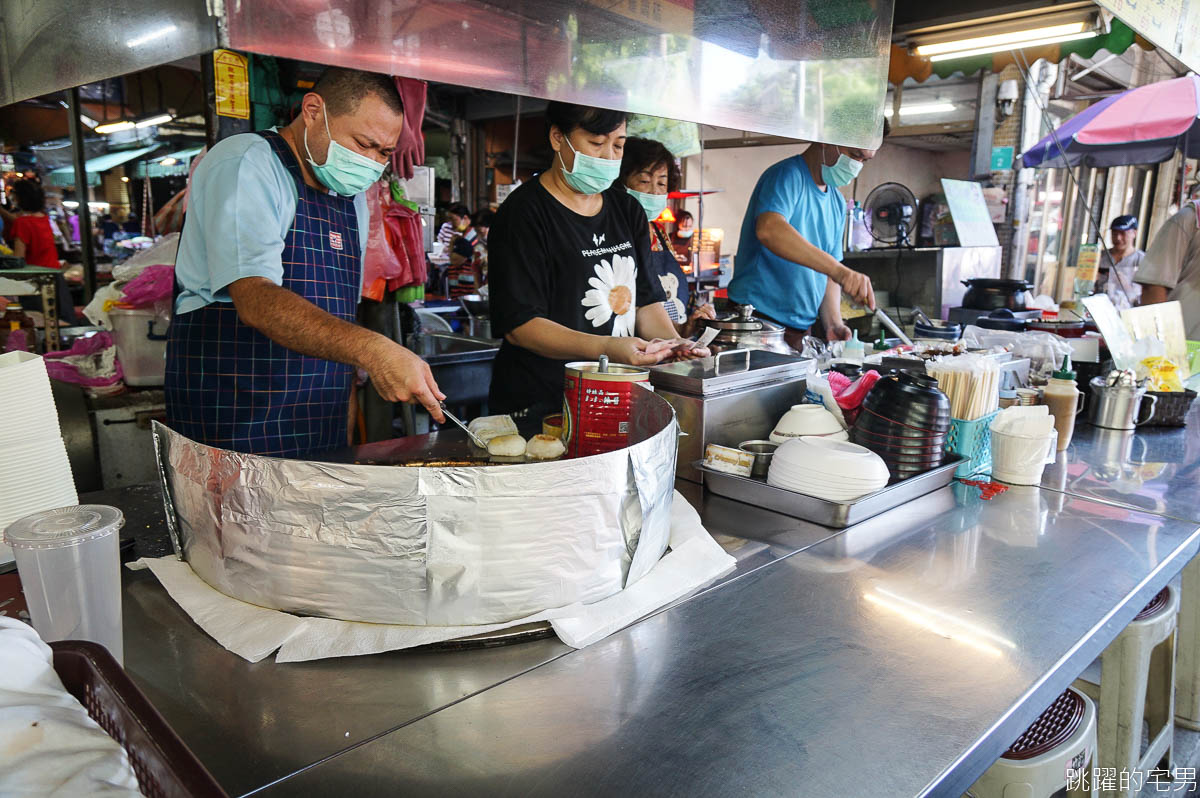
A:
[(1187, 668)]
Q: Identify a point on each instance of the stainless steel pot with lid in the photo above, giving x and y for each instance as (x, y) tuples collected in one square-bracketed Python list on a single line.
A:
[(1116, 401), (743, 330)]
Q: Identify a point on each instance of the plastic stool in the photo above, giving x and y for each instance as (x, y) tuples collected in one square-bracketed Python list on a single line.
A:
[(1035, 766), (1187, 665), (1137, 682)]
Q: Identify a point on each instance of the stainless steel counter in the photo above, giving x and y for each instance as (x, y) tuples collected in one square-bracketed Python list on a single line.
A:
[(1155, 468), (898, 657), (253, 723), (897, 660)]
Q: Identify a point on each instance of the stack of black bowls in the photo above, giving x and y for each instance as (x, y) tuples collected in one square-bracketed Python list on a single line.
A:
[(904, 420)]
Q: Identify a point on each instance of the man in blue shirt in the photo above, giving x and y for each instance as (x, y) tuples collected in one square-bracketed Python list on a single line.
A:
[(791, 243), (263, 346)]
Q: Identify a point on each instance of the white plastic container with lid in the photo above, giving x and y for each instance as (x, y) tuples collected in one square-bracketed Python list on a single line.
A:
[(69, 563), (141, 338)]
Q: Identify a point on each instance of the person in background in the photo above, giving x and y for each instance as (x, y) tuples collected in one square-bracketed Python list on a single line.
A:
[(132, 225), (28, 229), (789, 255), (1119, 263), (108, 227), (263, 347), (463, 276), (682, 239), (569, 272), (1170, 270), (481, 223), (649, 172), (458, 219)]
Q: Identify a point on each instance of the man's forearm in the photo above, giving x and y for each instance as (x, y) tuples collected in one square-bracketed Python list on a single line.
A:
[(551, 339), (1154, 294), (777, 235), (292, 321)]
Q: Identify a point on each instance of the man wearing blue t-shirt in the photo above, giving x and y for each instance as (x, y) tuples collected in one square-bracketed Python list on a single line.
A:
[(263, 347), (791, 243)]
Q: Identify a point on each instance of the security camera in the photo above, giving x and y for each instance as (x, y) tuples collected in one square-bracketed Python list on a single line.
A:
[(1006, 97)]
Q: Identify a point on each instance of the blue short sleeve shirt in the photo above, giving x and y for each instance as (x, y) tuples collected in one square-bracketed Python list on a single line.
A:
[(786, 291), (241, 205)]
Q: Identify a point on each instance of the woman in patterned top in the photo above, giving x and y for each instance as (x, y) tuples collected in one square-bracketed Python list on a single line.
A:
[(649, 173)]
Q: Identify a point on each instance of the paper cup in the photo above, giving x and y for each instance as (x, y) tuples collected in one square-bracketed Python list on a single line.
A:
[(1019, 459)]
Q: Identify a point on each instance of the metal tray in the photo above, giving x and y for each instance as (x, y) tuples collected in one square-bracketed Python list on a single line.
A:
[(725, 371), (822, 511)]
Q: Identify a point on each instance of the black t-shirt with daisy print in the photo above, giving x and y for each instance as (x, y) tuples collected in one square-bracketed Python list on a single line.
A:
[(588, 273)]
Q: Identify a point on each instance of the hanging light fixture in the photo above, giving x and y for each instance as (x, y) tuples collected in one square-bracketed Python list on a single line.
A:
[(114, 127), (130, 124), (997, 36), (666, 217)]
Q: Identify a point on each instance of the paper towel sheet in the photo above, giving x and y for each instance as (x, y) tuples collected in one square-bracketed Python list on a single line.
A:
[(252, 632)]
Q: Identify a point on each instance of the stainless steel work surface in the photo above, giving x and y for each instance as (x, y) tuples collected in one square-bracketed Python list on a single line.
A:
[(897, 658), (1156, 469), (253, 723)]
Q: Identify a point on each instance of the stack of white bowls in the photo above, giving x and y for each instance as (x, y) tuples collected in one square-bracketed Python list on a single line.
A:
[(827, 469), (804, 420), (35, 474)]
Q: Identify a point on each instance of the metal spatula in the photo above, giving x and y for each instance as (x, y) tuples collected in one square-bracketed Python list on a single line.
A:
[(475, 439)]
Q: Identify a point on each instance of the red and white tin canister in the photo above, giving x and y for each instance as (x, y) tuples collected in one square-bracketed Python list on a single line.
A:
[(597, 405)]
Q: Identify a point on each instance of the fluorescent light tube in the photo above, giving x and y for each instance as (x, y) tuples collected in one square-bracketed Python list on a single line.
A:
[(1069, 37), (113, 127), (1011, 38)]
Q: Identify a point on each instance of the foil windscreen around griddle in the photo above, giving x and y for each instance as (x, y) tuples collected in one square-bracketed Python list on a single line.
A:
[(424, 546)]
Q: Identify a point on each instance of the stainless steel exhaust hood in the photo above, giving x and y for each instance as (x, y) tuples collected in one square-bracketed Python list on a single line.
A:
[(50, 45), (807, 69)]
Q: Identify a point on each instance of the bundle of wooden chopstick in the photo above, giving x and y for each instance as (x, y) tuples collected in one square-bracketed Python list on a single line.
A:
[(972, 383)]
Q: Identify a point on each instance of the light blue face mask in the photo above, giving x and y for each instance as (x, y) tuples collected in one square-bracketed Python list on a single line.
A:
[(652, 204), (843, 171), (344, 172), (590, 175)]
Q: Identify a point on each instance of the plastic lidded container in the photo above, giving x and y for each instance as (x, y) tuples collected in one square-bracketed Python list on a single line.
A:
[(69, 563)]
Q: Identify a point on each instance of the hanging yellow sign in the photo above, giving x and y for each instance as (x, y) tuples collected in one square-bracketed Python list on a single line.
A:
[(1088, 263), (231, 84)]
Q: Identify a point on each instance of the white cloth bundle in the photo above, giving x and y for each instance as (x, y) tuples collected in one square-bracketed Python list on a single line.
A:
[(49, 745)]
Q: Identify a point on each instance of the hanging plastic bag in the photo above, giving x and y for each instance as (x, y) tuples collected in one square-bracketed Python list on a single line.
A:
[(380, 262)]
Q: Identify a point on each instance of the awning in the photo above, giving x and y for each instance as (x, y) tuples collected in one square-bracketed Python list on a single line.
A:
[(909, 65), (180, 164), (65, 175)]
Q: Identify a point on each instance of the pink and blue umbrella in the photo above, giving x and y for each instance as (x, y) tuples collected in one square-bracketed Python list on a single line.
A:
[(1139, 126)]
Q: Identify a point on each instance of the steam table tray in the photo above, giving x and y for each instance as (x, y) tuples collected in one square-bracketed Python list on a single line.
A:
[(822, 511)]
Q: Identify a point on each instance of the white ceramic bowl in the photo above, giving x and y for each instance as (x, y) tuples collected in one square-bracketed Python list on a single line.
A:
[(807, 420), (783, 473), (833, 458)]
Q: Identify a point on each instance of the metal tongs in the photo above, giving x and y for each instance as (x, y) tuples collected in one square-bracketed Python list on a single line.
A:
[(475, 439)]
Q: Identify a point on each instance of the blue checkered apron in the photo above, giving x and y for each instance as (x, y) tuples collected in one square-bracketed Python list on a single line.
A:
[(230, 386)]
